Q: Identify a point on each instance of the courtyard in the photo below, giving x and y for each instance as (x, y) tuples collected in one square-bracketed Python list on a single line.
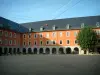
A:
[(50, 65)]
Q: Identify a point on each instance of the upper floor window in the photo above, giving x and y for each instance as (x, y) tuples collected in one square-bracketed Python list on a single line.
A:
[(29, 43), (29, 35), (14, 35), (68, 42), (14, 42), (10, 34), (47, 42), (76, 41), (40, 35), (60, 41), (1, 32), (10, 42), (24, 43), (35, 42), (54, 42), (35, 35), (47, 35), (6, 41), (98, 32), (67, 33), (41, 42), (60, 34), (0, 41), (54, 34), (75, 33), (6, 33), (24, 36)]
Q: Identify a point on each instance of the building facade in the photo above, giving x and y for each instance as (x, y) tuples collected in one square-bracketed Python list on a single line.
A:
[(44, 41)]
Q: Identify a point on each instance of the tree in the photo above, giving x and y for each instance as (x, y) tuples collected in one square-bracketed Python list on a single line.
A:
[(87, 38)]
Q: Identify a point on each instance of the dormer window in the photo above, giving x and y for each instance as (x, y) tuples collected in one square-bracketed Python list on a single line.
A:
[(82, 25), (54, 27), (41, 28), (97, 24), (68, 26)]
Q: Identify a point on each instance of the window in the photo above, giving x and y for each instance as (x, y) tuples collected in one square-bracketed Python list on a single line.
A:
[(29, 43), (0, 41), (40, 35), (24, 43), (67, 34), (29, 35), (10, 42), (60, 41), (41, 42), (75, 33), (47, 42), (5, 41), (1, 32), (35, 35), (60, 34), (14, 42), (76, 41), (6, 33), (68, 42), (35, 42), (10, 34), (47, 35), (54, 42), (24, 36), (14, 35), (54, 34)]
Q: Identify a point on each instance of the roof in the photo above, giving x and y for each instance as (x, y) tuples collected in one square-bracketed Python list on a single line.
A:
[(61, 23), (7, 24)]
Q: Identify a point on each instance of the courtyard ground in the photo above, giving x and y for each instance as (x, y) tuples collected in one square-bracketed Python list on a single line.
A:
[(50, 65)]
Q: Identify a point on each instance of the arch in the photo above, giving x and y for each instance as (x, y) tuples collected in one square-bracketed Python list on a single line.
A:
[(5, 51), (18, 51), (68, 50), (35, 50), (0, 51), (47, 51), (29, 51), (76, 50), (10, 50), (54, 51), (41, 51), (24, 50), (14, 50), (61, 50), (98, 50)]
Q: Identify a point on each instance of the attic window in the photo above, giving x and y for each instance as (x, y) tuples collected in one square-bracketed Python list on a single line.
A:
[(97, 24), (82, 25)]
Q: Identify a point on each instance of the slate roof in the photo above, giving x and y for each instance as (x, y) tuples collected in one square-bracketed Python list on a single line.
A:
[(61, 23), (5, 23)]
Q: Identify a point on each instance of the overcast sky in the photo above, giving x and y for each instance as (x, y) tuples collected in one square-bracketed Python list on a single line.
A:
[(22, 11)]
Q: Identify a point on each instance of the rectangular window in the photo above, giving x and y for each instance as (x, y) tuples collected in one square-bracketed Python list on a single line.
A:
[(14, 35), (0, 41), (35, 35), (24, 36), (75, 33), (10, 42), (40, 35), (24, 43), (29, 35), (60, 34), (76, 41), (41, 42), (29, 43), (54, 42), (6, 34), (68, 41), (60, 41), (47, 42), (35, 42), (1, 32), (14, 42), (54, 34), (10, 34), (68, 34), (47, 35)]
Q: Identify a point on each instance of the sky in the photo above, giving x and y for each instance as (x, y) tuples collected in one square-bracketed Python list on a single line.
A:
[(22, 11)]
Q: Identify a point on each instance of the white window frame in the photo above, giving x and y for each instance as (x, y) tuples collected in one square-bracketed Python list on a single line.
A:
[(40, 42), (68, 32), (41, 35), (74, 41), (60, 34), (54, 34), (10, 42), (67, 43), (75, 33), (48, 42), (35, 42), (47, 35), (59, 42)]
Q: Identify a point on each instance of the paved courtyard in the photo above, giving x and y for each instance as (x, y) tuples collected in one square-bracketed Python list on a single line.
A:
[(50, 65)]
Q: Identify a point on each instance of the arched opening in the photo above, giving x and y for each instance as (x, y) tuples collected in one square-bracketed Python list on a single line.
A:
[(54, 51), (84, 51), (98, 50), (29, 51), (24, 50), (35, 50), (10, 50), (18, 51), (0, 51), (76, 50), (41, 51), (61, 51), (47, 51), (14, 50), (5, 51), (68, 50)]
